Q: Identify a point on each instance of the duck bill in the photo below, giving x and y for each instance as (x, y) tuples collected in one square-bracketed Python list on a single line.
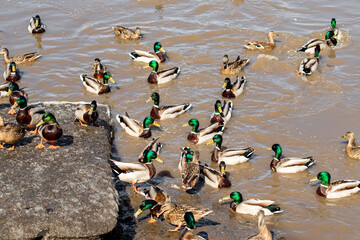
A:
[(149, 100), (224, 86), (314, 179), (9, 92), (111, 80), (335, 36), (147, 66), (220, 109), (137, 213), (269, 149), (161, 49), (40, 123), (222, 170), (224, 199), (156, 124), (13, 69), (15, 105), (211, 142), (185, 125), (159, 160), (91, 111)]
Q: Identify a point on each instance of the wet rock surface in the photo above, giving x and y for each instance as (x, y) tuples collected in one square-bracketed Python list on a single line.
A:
[(64, 193)]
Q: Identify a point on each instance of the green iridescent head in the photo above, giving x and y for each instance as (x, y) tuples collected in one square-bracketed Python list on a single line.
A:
[(189, 156), (148, 121), (194, 123), (277, 149), (13, 86), (93, 107), (227, 83), (218, 140), (158, 47), (107, 77), (324, 177), (237, 197), (333, 23), (317, 51), (154, 97), (190, 220), (21, 102), (154, 65), (49, 118), (218, 107), (146, 204)]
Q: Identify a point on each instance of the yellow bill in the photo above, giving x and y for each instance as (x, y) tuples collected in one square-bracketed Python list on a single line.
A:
[(314, 179), (40, 123), (111, 80), (156, 124), (137, 213), (159, 160), (211, 142), (149, 100), (161, 49), (224, 86), (185, 125), (147, 66)]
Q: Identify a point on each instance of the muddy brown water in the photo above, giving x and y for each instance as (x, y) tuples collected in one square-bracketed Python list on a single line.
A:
[(305, 115)]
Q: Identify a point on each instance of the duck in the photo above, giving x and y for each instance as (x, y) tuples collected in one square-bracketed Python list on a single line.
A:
[(147, 57), (205, 134), (87, 113), (185, 156), (49, 130), (229, 156), (36, 26), (150, 204), (163, 76), (94, 85), (12, 73), (99, 70), (263, 232), (138, 172), (233, 67), (251, 206), (172, 213), (14, 91), (335, 189), (154, 146), (4, 89), (135, 128), (309, 65), (28, 115), (127, 33), (233, 90), (10, 133), (263, 45), (167, 111), (289, 164), (190, 169), (222, 113), (19, 59), (329, 41), (216, 179), (156, 193), (352, 150), (187, 232), (336, 30)]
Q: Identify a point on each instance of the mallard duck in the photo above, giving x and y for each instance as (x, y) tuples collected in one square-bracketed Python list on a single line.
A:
[(233, 90), (12, 73), (168, 111), (205, 134), (263, 45), (233, 67), (19, 59), (28, 115), (157, 194), (330, 41), (222, 113), (138, 172), (49, 130), (251, 206), (4, 89), (36, 26), (190, 169), (14, 92), (143, 56), (229, 156), (153, 146), (336, 189), (185, 156), (289, 164), (263, 233), (216, 179), (135, 128), (127, 33), (94, 85), (309, 65), (172, 213), (10, 133), (150, 204), (163, 76), (351, 150), (187, 232), (333, 27), (87, 113), (99, 69)]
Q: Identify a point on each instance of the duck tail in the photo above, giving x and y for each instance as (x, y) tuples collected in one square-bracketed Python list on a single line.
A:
[(82, 77), (274, 208), (187, 106), (249, 152), (301, 49), (310, 162), (134, 55)]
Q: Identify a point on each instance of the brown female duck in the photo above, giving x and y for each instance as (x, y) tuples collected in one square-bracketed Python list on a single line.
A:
[(127, 33), (352, 150), (10, 133), (233, 67), (19, 59), (263, 45)]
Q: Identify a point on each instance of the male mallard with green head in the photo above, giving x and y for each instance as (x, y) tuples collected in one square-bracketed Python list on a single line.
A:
[(229, 156), (187, 232), (12, 73), (233, 90), (164, 76), (49, 130), (99, 69), (135, 128), (143, 56), (216, 179), (250, 206), (335, 189), (222, 113), (309, 65), (167, 111), (14, 92), (87, 113), (329, 41), (199, 136), (36, 26), (94, 85)]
